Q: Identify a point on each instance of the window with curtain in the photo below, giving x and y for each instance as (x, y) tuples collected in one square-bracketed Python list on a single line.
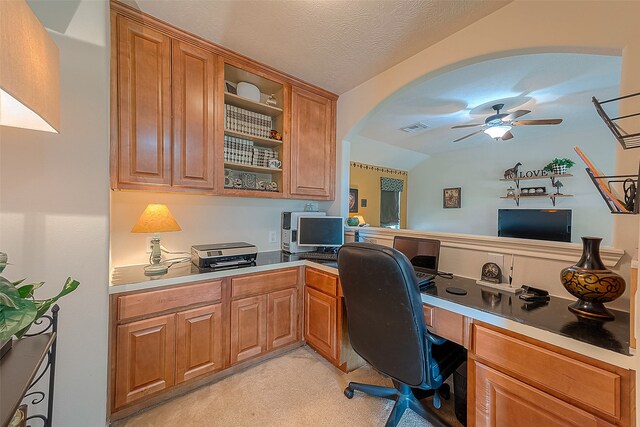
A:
[(390, 189)]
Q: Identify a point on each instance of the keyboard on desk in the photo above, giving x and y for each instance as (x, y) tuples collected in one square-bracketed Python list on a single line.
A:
[(325, 256)]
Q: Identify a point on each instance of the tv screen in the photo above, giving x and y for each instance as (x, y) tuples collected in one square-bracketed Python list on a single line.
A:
[(539, 224), (320, 231)]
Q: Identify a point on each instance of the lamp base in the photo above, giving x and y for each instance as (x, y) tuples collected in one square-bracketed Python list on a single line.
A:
[(155, 269)]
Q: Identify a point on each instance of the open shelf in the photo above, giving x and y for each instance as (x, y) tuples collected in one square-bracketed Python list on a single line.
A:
[(627, 140), (525, 178), (553, 197), (251, 168), (263, 142), (251, 105)]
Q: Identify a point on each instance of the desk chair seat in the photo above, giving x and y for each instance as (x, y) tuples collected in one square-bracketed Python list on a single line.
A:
[(387, 329)]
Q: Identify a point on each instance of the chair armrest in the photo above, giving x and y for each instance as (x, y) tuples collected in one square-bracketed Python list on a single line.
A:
[(434, 339)]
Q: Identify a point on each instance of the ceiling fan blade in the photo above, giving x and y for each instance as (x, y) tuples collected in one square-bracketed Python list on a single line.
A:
[(467, 126), (507, 136), (467, 136), (537, 122), (515, 115)]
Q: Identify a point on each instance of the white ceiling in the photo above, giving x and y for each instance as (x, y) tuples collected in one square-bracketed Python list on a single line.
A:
[(550, 85), (334, 44)]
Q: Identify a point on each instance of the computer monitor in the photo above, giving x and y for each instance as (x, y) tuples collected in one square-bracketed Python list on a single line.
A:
[(320, 231), (423, 253)]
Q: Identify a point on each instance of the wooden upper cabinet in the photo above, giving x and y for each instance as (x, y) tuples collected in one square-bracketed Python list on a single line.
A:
[(194, 80), (313, 153), (144, 106)]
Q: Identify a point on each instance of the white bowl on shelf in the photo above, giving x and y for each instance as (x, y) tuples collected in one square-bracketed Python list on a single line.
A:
[(249, 91)]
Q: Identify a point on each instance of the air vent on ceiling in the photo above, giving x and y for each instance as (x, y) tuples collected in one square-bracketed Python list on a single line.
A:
[(416, 127)]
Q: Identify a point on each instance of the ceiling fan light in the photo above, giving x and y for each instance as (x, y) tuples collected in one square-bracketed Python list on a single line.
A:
[(497, 132)]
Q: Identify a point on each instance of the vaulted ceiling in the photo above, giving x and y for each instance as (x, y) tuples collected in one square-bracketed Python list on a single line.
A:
[(334, 44)]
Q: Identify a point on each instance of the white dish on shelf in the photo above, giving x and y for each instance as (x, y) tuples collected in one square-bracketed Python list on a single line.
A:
[(249, 91)]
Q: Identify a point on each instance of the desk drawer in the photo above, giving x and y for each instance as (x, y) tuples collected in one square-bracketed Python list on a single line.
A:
[(144, 303), (262, 283), (323, 282), (594, 387), (445, 323)]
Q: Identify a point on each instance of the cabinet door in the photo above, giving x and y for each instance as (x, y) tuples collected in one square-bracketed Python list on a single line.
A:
[(193, 79), (145, 361), (504, 401), (320, 322), (312, 145), (282, 318), (144, 106), (198, 342), (248, 327)]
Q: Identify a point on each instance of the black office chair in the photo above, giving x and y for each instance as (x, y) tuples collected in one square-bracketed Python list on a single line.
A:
[(387, 329)]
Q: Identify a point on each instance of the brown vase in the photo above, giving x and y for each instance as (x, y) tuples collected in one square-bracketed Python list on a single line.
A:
[(592, 283)]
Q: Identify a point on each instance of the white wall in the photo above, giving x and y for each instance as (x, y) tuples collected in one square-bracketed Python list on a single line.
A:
[(54, 221), (203, 219), (477, 171)]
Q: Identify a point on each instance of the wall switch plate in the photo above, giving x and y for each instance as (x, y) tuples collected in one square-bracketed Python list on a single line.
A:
[(273, 237), (148, 240), (499, 259)]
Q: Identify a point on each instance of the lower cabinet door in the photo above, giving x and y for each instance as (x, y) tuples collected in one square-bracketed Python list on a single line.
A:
[(503, 401), (282, 318), (320, 322), (145, 358), (248, 327), (198, 342)]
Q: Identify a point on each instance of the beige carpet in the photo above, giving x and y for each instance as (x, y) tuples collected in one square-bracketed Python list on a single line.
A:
[(299, 388)]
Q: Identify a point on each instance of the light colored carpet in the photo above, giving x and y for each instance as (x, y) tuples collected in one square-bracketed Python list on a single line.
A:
[(299, 388)]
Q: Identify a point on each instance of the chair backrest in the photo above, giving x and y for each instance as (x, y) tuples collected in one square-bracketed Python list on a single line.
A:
[(384, 311)]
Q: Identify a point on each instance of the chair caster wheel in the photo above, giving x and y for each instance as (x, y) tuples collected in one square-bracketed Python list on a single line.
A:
[(348, 392), (445, 391)]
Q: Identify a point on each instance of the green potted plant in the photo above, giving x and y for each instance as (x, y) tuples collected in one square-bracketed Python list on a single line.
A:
[(19, 308), (559, 166)]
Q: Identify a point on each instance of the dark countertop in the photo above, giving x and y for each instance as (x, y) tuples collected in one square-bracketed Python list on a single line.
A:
[(553, 316)]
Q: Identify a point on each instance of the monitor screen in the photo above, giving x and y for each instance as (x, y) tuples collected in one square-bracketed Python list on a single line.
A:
[(539, 224), (423, 253), (320, 231)]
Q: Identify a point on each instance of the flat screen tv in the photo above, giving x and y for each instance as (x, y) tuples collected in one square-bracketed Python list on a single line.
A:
[(539, 224)]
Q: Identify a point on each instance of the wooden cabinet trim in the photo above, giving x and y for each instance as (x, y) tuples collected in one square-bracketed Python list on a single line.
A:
[(551, 371), (446, 324), (248, 328), (262, 283), (155, 340), (149, 302), (320, 322), (321, 281), (199, 342)]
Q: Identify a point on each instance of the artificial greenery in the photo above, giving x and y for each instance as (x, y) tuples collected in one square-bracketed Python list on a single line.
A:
[(18, 307), (559, 162)]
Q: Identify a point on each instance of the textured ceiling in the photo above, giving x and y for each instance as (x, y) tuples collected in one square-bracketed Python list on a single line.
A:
[(334, 44), (550, 85)]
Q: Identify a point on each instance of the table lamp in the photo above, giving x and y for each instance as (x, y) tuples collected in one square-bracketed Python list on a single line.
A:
[(155, 219)]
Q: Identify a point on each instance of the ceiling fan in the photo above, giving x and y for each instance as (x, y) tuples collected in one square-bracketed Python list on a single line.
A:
[(498, 126)]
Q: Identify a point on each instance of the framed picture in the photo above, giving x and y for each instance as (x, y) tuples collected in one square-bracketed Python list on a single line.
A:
[(451, 197), (353, 200), (230, 87)]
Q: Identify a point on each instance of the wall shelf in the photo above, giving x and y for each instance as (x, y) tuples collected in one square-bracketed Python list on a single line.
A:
[(607, 193), (553, 197), (552, 177), (251, 105), (627, 140)]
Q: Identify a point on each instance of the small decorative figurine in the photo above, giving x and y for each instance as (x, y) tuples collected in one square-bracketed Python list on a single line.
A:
[(513, 172), (272, 100), (557, 184), (274, 134), (511, 192)]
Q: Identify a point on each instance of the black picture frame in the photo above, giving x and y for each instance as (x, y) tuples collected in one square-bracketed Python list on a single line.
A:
[(230, 88), (451, 197), (353, 200)]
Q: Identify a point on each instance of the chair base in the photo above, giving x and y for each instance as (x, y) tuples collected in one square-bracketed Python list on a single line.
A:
[(404, 398)]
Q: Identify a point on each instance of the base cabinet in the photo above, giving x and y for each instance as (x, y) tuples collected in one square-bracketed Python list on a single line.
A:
[(198, 342), (282, 318), (145, 358), (248, 327), (503, 401), (320, 322)]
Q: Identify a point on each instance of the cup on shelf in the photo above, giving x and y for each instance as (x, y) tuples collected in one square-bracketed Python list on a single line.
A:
[(274, 163)]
